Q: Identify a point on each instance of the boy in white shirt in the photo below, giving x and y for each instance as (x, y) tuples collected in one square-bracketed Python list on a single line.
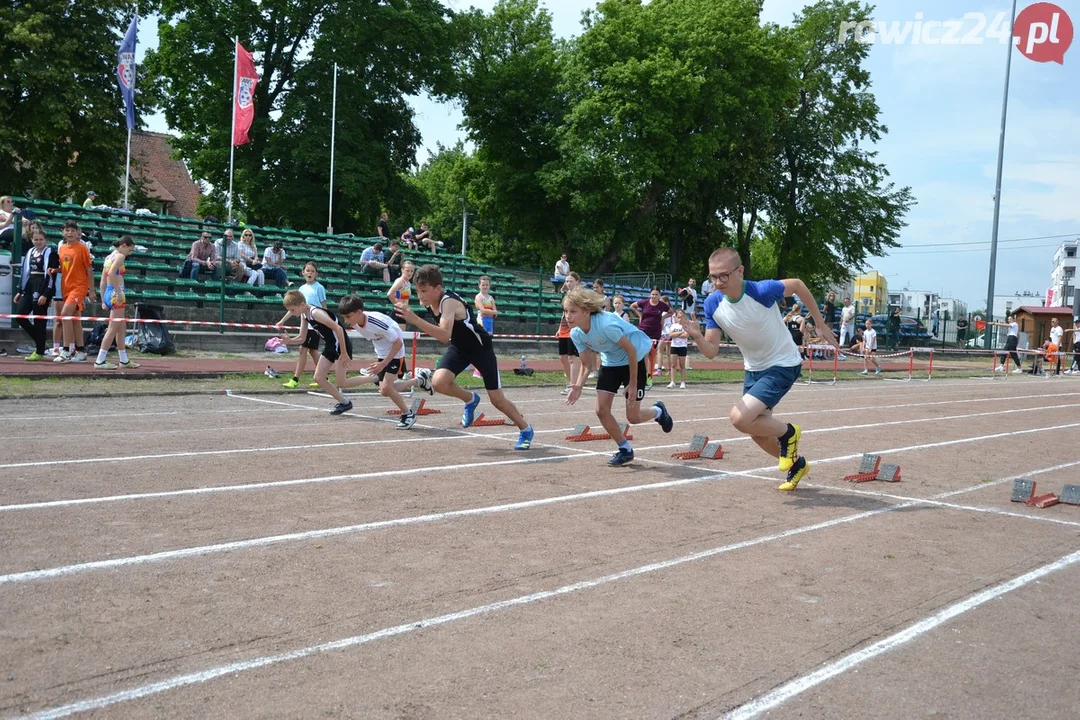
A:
[(869, 348)]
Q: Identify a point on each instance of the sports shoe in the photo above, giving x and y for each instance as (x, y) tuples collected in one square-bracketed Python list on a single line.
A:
[(1018, 371), (525, 438), (789, 449), (35, 357), (104, 365), (671, 384), (477, 374), (314, 384), (271, 372), (342, 408), (682, 386), (439, 243), (423, 380), (999, 368), (648, 384), (406, 421), (52, 352), (878, 371), (470, 410), (594, 374), (79, 357), (63, 357), (841, 357), (865, 372), (565, 390), (621, 457), (795, 474), (291, 384), (664, 421), (129, 365)]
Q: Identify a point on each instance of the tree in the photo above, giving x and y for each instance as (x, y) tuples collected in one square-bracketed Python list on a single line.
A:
[(833, 205), (63, 129), (385, 52)]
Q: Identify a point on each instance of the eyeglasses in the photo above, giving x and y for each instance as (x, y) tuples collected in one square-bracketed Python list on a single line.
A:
[(723, 277)]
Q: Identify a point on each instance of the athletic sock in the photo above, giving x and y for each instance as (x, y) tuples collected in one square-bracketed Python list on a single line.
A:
[(123, 355), (625, 445), (658, 412), (102, 355), (79, 348), (296, 378), (788, 434)]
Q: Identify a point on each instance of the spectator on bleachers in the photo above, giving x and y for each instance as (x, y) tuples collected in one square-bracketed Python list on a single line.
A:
[(393, 263), (706, 287), (91, 199), (426, 238), (408, 238), (8, 215), (249, 255), (203, 255), (382, 228), (274, 264), (688, 298), (373, 262), (598, 288), (562, 269)]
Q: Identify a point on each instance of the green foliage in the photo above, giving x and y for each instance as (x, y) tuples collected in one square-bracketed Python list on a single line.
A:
[(385, 52), (63, 130)]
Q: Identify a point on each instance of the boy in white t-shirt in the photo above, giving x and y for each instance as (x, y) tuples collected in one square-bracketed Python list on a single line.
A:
[(678, 337), (869, 348)]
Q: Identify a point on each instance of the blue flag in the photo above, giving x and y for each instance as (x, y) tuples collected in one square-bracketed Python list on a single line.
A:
[(125, 71)]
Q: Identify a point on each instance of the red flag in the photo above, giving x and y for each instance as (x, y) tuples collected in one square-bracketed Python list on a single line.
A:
[(243, 95)]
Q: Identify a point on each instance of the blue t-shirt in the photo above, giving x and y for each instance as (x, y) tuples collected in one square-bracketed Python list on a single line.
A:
[(755, 324), (605, 331), (314, 294), (370, 254)]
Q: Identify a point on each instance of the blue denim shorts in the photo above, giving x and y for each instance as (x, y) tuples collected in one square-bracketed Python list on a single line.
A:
[(772, 384)]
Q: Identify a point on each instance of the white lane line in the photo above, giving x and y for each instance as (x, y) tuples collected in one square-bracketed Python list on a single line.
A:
[(795, 687), (260, 662), (138, 414), (255, 663)]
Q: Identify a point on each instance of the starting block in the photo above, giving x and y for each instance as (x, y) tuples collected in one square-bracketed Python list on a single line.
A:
[(868, 469), (1024, 491), (581, 433), (888, 473), (700, 447), (1070, 495), (482, 421), (417, 408)]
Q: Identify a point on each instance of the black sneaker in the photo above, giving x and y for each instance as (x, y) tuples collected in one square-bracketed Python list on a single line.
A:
[(406, 421), (665, 421), (342, 408), (621, 457)]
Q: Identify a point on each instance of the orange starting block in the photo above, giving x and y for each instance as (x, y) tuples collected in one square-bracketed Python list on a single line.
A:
[(581, 433), (417, 408)]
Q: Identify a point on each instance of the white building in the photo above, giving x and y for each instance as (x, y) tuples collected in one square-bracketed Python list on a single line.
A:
[(1005, 304), (916, 303), (1063, 277)]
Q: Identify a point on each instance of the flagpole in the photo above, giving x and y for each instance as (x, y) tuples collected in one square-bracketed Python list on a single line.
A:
[(333, 130), (232, 135), (127, 171)]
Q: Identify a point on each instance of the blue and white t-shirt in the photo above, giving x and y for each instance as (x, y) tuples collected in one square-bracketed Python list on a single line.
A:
[(605, 331), (755, 324), (383, 332), (314, 294)]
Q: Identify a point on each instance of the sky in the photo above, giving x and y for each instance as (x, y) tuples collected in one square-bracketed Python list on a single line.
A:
[(942, 105)]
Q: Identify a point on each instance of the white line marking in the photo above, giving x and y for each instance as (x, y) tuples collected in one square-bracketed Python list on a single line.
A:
[(255, 663), (138, 414), (800, 685)]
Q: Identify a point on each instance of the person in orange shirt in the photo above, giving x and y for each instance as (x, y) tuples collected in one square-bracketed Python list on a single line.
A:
[(77, 273), (568, 353)]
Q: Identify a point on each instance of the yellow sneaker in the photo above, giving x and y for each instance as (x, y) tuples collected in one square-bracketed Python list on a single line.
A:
[(797, 472), (789, 449), (314, 385), (290, 384)]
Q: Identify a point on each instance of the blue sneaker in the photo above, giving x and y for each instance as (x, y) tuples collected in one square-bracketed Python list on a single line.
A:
[(621, 457), (665, 421), (470, 410), (525, 439)]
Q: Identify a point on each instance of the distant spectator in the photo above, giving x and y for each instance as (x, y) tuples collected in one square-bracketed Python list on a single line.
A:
[(274, 265), (249, 255), (598, 288), (373, 263), (394, 261), (426, 238), (828, 309), (408, 239), (8, 215), (892, 326), (382, 228), (847, 322), (688, 297), (562, 269), (707, 287), (91, 199), (203, 256), (650, 314)]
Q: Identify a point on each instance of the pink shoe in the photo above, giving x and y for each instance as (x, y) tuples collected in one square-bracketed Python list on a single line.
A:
[(476, 374)]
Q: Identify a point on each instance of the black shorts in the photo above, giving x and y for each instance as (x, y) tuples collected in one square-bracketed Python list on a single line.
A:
[(567, 347), (311, 341), (485, 361), (394, 367), (613, 377), (331, 352), (680, 351)]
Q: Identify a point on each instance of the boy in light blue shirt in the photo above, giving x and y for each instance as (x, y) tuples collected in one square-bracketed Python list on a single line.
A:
[(622, 349)]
